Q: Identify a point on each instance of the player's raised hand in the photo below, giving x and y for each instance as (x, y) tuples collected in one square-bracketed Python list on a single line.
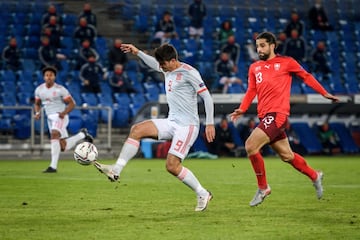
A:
[(129, 48), (236, 114)]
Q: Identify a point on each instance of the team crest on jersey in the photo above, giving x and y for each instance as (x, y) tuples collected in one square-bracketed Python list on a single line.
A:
[(277, 66), (178, 76)]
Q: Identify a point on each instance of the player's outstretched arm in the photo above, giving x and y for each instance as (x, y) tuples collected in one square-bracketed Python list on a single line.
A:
[(129, 48), (331, 97)]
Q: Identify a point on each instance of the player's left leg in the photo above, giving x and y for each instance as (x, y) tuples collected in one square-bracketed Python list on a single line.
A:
[(283, 149), (55, 151), (174, 166), (130, 148), (183, 139)]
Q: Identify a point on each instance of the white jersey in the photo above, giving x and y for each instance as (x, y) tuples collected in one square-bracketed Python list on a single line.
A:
[(52, 98), (182, 87)]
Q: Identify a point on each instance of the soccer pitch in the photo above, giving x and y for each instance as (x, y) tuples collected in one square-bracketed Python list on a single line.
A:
[(80, 203)]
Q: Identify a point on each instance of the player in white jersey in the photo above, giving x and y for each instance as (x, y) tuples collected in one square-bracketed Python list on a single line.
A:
[(57, 102), (183, 84)]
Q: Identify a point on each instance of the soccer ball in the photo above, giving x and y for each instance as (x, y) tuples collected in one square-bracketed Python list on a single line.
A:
[(85, 153)]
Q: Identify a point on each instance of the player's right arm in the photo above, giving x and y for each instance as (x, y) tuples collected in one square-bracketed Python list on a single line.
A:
[(37, 108), (149, 60), (248, 98)]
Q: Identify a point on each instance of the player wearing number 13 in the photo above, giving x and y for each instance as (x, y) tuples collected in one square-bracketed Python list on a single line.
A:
[(183, 84), (270, 80)]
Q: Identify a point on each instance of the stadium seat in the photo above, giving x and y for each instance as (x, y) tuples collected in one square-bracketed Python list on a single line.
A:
[(121, 116), (70, 19), (28, 65), (7, 76), (346, 141), (137, 101), (141, 23), (152, 91), (132, 65), (22, 127), (90, 99), (105, 100), (200, 144), (307, 137), (91, 123), (6, 125), (75, 121)]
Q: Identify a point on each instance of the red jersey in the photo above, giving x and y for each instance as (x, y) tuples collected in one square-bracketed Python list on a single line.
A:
[(270, 81)]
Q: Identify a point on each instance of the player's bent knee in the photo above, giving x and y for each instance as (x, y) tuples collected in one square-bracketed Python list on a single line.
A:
[(287, 157)]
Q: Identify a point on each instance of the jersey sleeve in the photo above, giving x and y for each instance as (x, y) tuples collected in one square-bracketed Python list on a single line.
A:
[(36, 93), (250, 92), (308, 78), (196, 80), (65, 93)]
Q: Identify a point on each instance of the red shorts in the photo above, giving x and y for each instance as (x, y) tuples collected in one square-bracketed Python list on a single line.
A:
[(273, 124)]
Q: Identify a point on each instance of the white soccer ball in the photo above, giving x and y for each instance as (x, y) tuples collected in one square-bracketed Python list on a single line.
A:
[(85, 153)]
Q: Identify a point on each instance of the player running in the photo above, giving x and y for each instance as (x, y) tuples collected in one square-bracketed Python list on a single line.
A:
[(270, 80), (183, 83), (57, 103)]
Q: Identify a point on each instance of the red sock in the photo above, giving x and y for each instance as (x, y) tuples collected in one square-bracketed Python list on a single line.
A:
[(300, 164), (258, 165)]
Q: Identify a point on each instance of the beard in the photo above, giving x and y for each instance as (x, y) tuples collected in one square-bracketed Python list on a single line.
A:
[(264, 56)]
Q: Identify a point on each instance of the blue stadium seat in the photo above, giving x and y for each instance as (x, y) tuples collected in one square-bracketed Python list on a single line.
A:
[(8, 86), (22, 127), (6, 125), (24, 98), (7, 76), (90, 99), (75, 121), (132, 65), (69, 19), (152, 91), (307, 137), (141, 23), (30, 52), (106, 101), (91, 123), (122, 99), (121, 116), (137, 101), (346, 141), (200, 144), (28, 65), (33, 29)]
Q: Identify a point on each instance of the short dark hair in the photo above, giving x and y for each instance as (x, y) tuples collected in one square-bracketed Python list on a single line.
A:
[(268, 36), (165, 52), (49, 68)]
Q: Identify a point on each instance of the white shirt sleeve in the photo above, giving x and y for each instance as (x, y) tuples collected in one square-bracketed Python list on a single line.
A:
[(149, 60)]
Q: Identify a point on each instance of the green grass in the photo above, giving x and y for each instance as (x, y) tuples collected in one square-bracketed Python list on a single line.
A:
[(79, 203)]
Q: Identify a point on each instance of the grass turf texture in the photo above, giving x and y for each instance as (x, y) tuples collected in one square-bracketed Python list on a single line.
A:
[(80, 203)]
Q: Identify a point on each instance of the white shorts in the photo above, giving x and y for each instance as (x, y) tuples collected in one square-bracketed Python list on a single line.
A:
[(183, 137), (224, 80), (196, 31), (59, 124)]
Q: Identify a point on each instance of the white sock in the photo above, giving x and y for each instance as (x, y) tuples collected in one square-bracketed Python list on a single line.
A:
[(128, 151), (189, 179), (71, 141), (55, 152)]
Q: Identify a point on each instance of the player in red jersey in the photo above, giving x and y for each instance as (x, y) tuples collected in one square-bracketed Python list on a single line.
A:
[(270, 80)]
